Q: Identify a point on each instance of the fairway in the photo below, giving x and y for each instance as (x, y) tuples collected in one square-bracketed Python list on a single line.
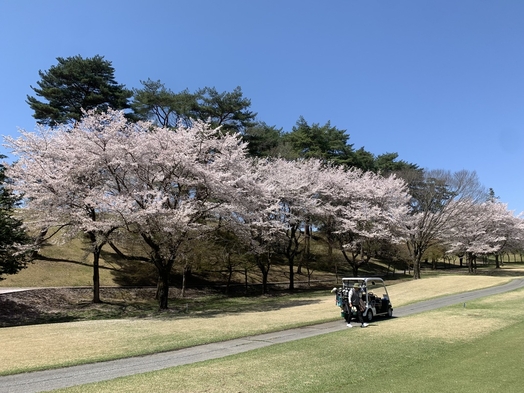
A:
[(29, 348), (447, 350), (391, 351)]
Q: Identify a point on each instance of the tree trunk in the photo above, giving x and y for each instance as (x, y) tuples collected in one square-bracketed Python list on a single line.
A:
[(164, 265), (417, 258), (291, 274), (164, 268), (245, 280), (416, 268), (117, 250), (163, 289), (264, 269), (307, 247), (292, 250), (415, 253), (96, 274), (469, 259), (183, 290), (265, 273), (39, 241), (97, 249)]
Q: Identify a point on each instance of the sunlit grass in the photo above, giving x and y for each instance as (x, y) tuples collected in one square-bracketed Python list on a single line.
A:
[(56, 274), (479, 348), (45, 346), (69, 264)]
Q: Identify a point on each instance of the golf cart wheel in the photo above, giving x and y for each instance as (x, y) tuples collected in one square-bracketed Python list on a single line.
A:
[(390, 312), (369, 316)]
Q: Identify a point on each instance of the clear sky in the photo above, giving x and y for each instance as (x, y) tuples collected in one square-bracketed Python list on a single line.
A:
[(440, 82)]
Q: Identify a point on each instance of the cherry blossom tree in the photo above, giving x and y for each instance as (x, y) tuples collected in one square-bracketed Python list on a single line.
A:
[(482, 229), (59, 172), (438, 198), (256, 220), (360, 208), (277, 203), (260, 235), (108, 173), (166, 183), (296, 186)]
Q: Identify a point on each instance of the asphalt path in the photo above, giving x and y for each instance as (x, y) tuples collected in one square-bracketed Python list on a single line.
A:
[(43, 381), (10, 289)]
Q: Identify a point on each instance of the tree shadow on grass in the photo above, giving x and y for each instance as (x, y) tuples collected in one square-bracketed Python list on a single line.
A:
[(55, 305), (500, 273), (214, 309), (16, 314), (51, 259)]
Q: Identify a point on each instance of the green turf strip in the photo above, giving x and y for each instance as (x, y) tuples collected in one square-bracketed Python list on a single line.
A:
[(350, 360)]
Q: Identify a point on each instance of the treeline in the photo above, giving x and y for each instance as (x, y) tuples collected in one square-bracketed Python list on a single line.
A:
[(79, 84), (171, 169)]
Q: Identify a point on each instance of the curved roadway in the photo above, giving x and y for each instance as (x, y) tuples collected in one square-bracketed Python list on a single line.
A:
[(42, 381)]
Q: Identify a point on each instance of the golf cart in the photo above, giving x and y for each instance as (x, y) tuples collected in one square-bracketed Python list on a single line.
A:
[(374, 296)]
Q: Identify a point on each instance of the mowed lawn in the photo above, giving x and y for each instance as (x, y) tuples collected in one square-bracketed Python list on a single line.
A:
[(479, 348), (412, 350)]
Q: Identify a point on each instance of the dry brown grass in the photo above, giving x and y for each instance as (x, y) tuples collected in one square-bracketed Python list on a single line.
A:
[(42, 345), (417, 290), (56, 274), (68, 265)]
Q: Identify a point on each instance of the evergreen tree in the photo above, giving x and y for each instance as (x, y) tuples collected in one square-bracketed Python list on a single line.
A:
[(388, 163), (159, 104), (230, 110), (76, 84), (331, 144), (323, 142), (12, 234), (264, 141), (363, 159)]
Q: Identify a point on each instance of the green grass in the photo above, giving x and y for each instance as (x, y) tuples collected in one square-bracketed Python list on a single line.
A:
[(489, 364), (479, 348), (209, 319)]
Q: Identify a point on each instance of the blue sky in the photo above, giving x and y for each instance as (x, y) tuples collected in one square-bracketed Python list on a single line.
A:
[(441, 82)]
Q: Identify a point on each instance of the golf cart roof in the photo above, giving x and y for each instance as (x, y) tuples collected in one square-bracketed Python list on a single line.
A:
[(362, 280)]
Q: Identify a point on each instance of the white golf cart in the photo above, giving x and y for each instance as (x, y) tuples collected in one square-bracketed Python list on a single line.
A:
[(374, 295)]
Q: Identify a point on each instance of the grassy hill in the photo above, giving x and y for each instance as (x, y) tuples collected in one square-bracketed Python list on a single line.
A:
[(70, 263)]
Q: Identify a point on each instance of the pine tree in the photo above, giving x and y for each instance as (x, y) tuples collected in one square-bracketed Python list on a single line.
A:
[(12, 232), (76, 84)]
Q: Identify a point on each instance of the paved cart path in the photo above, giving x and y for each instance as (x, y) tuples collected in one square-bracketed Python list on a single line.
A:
[(42, 381)]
